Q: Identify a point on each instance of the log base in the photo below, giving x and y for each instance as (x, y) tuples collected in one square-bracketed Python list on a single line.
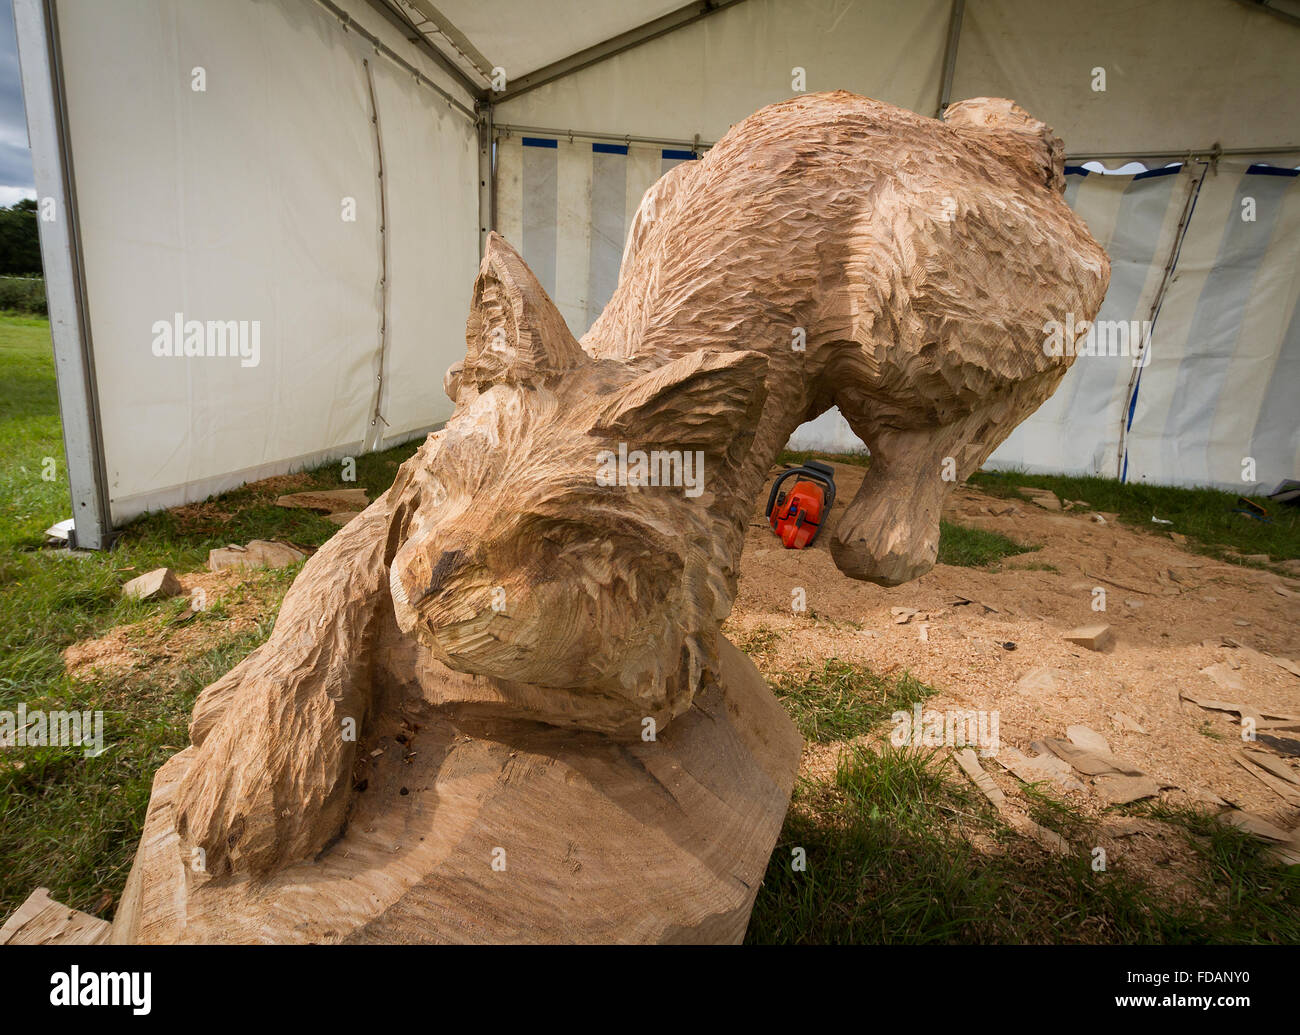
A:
[(473, 831)]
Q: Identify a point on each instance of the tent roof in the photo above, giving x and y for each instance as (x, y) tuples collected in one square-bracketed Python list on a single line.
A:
[(1182, 74), (524, 37)]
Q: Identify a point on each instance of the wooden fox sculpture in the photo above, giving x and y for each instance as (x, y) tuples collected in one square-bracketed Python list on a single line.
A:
[(566, 548)]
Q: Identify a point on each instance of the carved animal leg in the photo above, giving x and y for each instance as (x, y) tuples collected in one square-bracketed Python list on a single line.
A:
[(889, 533), (270, 782)]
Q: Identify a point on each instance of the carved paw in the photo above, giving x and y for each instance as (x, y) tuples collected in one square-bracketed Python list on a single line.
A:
[(269, 784)]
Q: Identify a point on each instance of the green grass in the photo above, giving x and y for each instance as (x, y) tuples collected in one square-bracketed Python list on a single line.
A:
[(975, 547), (795, 456), (839, 701), (1046, 809), (888, 862), (1205, 516), (67, 822), (1253, 899)]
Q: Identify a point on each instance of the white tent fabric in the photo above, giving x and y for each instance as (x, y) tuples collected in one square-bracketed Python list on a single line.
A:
[(521, 37), (1214, 401), (1179, 74), (568, 206), (227, 205), (1079, 430)]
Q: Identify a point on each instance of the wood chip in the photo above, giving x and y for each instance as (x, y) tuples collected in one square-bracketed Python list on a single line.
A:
[(1256, 825), (1040, 678), (1039, 768), (1275, 766), (1120, 789), (969, 764), (1263, 719), (1121, 585), (1090, 763), (1088, 739), (1279, 787), (42, 921), (1094, 637), (329, 500), (1049, 839), (1127, 723), (159, 583), (260, 553)]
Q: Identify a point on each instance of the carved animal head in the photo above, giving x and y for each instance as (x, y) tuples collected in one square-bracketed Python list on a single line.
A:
[(1018, 138), (522, 548)]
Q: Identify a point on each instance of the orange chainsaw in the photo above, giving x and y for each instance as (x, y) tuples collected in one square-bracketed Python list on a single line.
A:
[(797, 514)]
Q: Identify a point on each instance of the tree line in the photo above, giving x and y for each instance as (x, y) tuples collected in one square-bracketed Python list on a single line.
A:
[(20, 246)]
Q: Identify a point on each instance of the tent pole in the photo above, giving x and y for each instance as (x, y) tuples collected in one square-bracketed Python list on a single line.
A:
[(36, 26), (400, 22), (351, 25), (376, 434), (1193, 192), (447, 29), (613, 46), (486, 176), (950, 55)]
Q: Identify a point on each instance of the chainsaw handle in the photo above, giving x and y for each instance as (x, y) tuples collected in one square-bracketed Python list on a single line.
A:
[(812, 470)]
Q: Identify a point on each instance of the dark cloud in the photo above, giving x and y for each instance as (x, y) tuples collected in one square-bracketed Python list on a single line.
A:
[(15, 158)]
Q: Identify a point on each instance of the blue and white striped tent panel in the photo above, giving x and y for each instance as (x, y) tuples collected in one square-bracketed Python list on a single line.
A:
[(1221, 387), (1225, 346), (567, 206), (1135, 218)]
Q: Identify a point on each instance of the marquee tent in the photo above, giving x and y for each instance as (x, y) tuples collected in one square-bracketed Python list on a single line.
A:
[(262, 218)]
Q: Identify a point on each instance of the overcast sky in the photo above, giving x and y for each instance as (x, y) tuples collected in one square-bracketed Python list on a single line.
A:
[(15, 158)]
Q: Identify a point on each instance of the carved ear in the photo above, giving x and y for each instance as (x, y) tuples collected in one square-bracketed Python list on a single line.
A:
[(706, 400), (514, 332)]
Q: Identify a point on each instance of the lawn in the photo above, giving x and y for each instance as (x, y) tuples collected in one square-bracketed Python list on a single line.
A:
[(1211, 519), (887, 840), (68, 822)]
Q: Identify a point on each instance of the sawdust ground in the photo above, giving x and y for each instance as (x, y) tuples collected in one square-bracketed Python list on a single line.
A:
[(1169, 623), (165, 640), (206, 512)]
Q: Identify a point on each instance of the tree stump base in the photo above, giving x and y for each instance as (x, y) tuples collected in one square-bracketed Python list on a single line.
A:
[(469, 830)]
